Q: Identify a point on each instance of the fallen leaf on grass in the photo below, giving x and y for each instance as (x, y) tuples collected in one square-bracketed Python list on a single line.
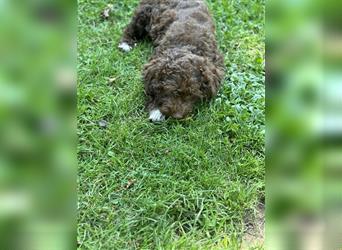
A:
[(107, 11), (112, 79), (103, 123), (129, 184)]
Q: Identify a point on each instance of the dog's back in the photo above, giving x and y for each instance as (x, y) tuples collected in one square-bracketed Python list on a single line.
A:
[(184, 23)]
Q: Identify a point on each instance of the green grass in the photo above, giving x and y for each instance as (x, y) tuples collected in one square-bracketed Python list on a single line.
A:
[(180, 184)]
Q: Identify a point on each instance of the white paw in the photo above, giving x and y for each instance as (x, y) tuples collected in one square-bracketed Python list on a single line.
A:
[(156, 116), (125, 47)]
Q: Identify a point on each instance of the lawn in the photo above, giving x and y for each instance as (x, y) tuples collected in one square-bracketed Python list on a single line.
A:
[(191, 184)]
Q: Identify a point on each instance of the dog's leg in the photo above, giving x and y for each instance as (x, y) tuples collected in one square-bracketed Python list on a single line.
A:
[(137, 29)]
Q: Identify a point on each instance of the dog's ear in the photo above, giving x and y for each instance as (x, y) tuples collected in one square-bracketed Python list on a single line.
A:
[(155, 73), (151, 76), (211, 78), (151, 70)]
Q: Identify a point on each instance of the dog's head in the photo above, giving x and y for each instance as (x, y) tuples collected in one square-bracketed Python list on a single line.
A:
[(175, 82)]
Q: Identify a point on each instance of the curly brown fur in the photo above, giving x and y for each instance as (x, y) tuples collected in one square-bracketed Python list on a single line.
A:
[(186, 66)]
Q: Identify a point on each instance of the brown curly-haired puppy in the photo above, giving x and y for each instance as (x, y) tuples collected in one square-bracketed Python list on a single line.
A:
[(186, 66)]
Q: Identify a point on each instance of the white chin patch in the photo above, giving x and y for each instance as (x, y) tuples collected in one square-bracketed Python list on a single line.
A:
[(156, 116), (125, 47)]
